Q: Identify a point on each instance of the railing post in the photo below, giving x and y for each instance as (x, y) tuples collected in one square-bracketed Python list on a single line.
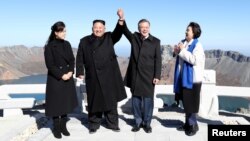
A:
[(80, 91), (158, 102), (209, 105)]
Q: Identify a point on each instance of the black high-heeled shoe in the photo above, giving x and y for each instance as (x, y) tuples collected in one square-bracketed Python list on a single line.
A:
[(183, 127), (192, 130)]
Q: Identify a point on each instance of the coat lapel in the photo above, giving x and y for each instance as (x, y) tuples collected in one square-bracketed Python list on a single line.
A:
[(138, 38), (137, 48), (62, 50), (95, 42)]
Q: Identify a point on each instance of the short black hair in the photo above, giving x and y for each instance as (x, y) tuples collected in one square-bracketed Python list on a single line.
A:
[(142, 21), (196, 29), (99, 21)]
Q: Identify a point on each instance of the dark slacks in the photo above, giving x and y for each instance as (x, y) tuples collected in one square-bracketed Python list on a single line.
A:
[(191, 119), (191, 103), (111, 118), (142, 109)]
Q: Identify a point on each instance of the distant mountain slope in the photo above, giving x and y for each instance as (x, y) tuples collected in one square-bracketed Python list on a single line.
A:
[(232, 68), (19, 61)]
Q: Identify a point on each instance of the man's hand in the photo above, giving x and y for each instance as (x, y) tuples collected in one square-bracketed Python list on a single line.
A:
[(120, 13), (155, 81)]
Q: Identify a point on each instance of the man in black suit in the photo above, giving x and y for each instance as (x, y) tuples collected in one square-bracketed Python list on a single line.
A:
[(104, 85)]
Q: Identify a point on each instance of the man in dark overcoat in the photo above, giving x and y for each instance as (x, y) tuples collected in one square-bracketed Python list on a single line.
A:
[(143, 73), (104, 85)]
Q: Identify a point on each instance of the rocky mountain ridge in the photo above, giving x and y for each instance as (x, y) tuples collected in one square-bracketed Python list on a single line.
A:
[(232, 68)]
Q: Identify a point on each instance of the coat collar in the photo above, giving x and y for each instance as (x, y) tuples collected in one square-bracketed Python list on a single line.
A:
[(96, 41), (93, 37), (60, 46), (150, 37)]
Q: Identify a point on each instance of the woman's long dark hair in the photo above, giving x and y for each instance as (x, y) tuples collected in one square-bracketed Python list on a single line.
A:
[(57, 27)]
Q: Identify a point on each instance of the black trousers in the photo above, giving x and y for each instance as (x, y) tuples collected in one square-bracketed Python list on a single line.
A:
[(111, 118), (191, 102), (191, 98)]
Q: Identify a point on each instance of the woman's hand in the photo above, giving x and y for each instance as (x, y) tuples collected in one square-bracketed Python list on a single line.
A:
[(70, 74), (181, 45), (176, 50), (65, 77)]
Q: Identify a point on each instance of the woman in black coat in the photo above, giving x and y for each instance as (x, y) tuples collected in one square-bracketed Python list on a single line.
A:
[(61, 96)]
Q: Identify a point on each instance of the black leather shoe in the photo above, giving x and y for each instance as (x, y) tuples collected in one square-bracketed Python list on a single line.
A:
[(148, 129), (135, 129), (192, 130), (196, 127), (92, 131), (142, 125), (183, 127), (117, 129)]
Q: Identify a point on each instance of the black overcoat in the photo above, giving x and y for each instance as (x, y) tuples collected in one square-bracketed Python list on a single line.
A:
[(144, 64), (60, 95), (104, 85)]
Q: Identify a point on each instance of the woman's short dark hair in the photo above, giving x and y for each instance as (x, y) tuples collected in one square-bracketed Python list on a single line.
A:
[(196, 29)]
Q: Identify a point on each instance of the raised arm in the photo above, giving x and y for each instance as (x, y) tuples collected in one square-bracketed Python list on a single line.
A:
[(122, 22), (117, 33)]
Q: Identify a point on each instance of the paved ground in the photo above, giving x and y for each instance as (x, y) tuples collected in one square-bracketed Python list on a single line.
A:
[(164, 129), (164, 123)]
